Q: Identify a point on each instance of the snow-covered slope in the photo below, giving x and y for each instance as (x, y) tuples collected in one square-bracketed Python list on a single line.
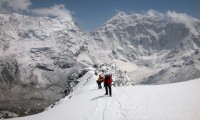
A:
[(38, 54), (157, 44), (178, 101), (145, 34)]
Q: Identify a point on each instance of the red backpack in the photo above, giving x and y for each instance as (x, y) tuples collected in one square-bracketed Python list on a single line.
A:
[(110, 80)]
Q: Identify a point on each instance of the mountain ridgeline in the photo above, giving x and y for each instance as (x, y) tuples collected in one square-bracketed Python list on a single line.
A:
[(38, 55)]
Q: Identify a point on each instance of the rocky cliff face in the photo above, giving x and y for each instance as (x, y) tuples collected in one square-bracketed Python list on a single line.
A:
[(143, 35), (155, 44), (38, 54)]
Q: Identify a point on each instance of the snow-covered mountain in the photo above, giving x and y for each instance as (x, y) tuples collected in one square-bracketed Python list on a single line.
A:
[(178, 101), (160, 49), (38, 54)]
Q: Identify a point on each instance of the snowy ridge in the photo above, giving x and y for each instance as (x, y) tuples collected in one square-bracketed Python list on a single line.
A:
[(38, 54), (152, 43), (173, 101)]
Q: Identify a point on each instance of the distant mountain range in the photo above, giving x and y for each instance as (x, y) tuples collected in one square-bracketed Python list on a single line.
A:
[(38, 54)]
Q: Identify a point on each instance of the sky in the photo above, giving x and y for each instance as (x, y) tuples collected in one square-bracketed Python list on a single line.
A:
[(91, 14)]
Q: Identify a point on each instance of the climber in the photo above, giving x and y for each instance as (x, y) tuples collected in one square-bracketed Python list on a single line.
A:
[(66, 92), (99, 81), (95, 73), (107, 84)]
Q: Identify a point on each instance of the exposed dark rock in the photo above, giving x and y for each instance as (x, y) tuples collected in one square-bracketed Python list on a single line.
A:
[(9, 72), (34, 50), (44, 67), (189, 62)]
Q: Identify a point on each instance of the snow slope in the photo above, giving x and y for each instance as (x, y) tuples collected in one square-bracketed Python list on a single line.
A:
[(178, 101), (39, 54), (154, 43)]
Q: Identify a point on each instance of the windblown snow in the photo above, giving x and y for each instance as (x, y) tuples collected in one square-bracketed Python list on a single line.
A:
[(177, 101)]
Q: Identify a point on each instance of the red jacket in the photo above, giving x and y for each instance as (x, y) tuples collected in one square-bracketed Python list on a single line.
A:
[(108, 80)]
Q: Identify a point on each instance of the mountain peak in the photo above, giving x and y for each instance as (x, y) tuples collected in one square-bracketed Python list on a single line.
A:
[(118, 16), (121, 14)]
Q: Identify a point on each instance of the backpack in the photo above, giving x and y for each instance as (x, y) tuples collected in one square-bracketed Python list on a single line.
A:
[(108, 79)]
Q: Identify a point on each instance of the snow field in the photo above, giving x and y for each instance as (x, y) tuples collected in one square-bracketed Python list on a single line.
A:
[(178, 101)]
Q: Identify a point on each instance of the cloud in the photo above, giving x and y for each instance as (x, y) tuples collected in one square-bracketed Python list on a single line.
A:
[(8, 6), (173, 16), (181, 18), (154, 13), (23, 6), (58, 11)]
